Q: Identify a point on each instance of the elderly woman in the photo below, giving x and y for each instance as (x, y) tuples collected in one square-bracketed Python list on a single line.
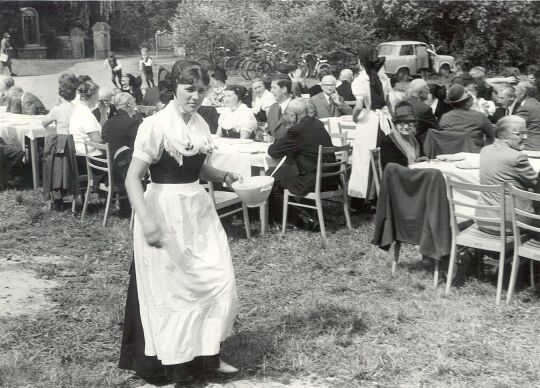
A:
[(182, 297), (400, 145), (83, 125), (371, 114), (237, 120)]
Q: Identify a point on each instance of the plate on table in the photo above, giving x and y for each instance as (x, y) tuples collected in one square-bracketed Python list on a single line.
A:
[(532, 154), (451, 157), (468, 165), (242, 141), (346, 118)]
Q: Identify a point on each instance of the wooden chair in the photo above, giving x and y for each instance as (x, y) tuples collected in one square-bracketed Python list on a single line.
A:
[(103, 164), (524, 246), (341, 167), (349, 129), (225, 199), (472, 236), (376, 168)]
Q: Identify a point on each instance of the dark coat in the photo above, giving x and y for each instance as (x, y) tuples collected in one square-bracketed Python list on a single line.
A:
[(97, 113), (120, 131), (324, 110), (425, 119), (301, 146), (275, 126), (413, 208), (345, 91), (530, 111)]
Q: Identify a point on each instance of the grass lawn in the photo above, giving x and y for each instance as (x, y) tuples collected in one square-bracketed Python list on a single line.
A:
[(333, 313)]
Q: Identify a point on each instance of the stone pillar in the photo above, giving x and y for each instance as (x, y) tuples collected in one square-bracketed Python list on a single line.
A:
[(102, 40), (77, 43)]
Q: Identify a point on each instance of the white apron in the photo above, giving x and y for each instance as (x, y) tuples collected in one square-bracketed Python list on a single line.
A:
[(187, 292), (365, 139)]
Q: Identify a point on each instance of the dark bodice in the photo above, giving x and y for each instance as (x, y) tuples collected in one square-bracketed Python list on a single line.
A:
[(167, 170)]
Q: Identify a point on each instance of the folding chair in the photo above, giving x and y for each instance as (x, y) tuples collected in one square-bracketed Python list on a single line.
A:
[(341, 171), (472, 236), (225, 199), (103, 164), (524, 246)]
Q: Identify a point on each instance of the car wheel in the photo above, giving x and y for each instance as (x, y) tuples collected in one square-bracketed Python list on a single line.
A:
[(444, 71), (402, 75)]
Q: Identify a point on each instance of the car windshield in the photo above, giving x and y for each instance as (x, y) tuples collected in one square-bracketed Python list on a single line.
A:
[(387, 49)]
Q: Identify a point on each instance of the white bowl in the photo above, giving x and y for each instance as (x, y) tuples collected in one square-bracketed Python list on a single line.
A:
[(254, 191)]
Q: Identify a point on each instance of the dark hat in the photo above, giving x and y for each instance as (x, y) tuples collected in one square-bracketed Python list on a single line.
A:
[(457, 93), (404, 112)]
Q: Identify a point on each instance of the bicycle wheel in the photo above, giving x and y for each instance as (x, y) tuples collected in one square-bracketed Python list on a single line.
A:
[(243, 69), (205, 62), (251, 70), (230, 63), (264, 69), (323, 66)]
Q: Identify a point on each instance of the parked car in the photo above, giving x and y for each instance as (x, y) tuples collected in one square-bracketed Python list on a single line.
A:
[(401, 60)]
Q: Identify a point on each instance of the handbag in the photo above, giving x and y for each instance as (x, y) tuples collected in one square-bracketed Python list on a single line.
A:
[(3, 57)]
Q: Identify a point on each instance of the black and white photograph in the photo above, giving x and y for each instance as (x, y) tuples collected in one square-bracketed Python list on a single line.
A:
[(270, 193)]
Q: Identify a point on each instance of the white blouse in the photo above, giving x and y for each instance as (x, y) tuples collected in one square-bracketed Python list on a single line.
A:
[(241, 118), (361, 89), (81, 123)]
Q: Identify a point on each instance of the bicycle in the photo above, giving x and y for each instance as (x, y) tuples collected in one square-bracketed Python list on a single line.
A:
[(312, 64), (215, 57)]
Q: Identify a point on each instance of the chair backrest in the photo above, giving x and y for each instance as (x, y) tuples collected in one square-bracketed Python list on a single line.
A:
[(499, 221), (447, 142), (376, 167), (342, 138), (337, 167), (348, 129), (101, 162), (522, 219)]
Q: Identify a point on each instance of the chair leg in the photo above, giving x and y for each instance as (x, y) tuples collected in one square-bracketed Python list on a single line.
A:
[(107, 207), (451, 265), (320, 216), (285, 210), (346, 210), (436, 273), (513, 276), (86, 199), (532, 272), (246, 220), (500, 277), (397, 248)]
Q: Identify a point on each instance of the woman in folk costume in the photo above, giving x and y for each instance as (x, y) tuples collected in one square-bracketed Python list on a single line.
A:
[(182, 298), (371, 114)]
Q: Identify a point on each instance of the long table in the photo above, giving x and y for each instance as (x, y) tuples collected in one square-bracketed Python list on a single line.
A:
[(14, 128), (240, 156)]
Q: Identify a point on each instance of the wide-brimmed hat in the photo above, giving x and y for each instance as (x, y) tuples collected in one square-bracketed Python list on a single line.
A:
[(457, 93), (404, 112)]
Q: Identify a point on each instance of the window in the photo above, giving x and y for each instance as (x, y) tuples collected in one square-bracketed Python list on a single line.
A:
[(406, 50)]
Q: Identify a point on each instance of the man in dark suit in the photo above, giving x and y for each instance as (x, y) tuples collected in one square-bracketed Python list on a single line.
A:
[(529, 109), (24, 103), (281, 89), (329, 103), (418, 91), (344, 90), (10, 162)]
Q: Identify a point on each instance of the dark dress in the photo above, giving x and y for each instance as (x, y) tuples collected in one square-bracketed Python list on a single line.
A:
[(132, 357)]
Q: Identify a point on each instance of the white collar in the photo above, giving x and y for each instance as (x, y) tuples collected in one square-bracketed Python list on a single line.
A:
[(285, 104)]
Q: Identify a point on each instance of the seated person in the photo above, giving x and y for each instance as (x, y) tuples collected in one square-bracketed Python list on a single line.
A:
[(301, 146), (281, 88), (463, 119), (10, 160), (5, 84), (400, 145), (120, 132), (436, 99), (104, 110), (262, 99), (236, 120), (298, 85), (501, 162), (329, 103), (317, 88), (24, 103), (417, 93), (344, 89)]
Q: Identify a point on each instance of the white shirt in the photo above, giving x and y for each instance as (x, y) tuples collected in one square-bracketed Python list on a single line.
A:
[(81, 123), (263, 102), (510, 109), (145, 62), (241, 118), (284, 105)]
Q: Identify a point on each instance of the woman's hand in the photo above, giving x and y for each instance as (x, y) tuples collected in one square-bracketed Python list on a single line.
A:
[(152, 234), (231, 178)]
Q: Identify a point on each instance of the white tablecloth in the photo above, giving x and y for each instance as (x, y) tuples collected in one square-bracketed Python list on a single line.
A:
[(14, 128), (239, 155)]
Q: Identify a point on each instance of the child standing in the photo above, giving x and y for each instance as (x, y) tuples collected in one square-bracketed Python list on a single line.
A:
[(145, 65)]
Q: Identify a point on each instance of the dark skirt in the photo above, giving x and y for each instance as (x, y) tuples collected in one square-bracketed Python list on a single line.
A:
[(149, 368)]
